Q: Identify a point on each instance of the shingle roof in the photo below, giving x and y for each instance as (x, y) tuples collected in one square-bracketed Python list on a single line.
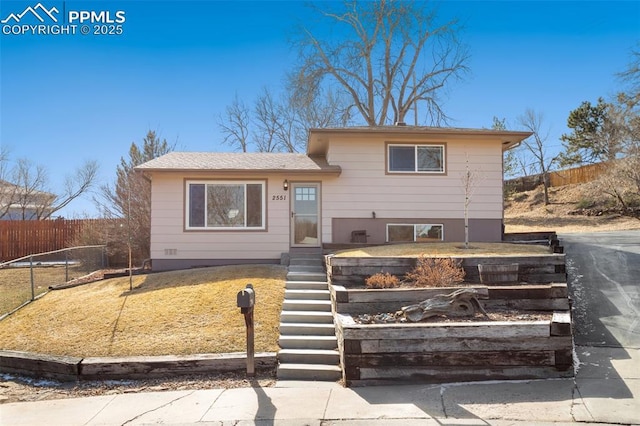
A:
[(229, 162), (415, 129)]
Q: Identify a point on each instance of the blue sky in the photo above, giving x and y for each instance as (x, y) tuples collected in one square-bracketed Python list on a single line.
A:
[(69, 98)]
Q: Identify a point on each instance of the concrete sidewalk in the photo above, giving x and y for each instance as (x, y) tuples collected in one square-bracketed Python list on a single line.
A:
[(606, 391)]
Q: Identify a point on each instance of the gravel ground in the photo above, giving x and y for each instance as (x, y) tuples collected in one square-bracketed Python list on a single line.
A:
[(22, 389)]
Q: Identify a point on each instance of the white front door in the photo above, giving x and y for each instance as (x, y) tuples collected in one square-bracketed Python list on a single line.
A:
[(305, 214)]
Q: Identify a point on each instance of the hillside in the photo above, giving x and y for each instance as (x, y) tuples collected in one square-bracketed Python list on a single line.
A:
[(573, 208)]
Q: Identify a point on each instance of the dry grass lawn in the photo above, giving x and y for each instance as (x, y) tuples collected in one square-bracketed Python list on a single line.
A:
[(15, 283), (445, 250), (179, 312)]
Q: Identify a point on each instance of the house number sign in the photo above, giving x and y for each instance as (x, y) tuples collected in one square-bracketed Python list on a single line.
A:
[(281, 197)]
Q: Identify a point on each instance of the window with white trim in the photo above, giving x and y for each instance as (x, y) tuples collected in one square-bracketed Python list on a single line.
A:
[(225, 204), (412, 158), (418, 232)]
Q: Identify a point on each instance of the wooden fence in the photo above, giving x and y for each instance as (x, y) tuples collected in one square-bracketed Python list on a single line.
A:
[(20, 238), (576, 175), (582, 174)]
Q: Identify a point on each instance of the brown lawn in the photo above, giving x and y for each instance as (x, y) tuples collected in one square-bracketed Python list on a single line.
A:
[(446, 250), (15, 283), (180, 312)]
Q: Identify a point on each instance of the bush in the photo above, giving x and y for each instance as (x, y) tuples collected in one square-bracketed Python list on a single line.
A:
[(382, 280), (632, 200), (109, 232), (585, 203), (430, 272)]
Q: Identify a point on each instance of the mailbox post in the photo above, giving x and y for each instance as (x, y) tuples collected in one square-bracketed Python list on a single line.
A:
[(246, 299)]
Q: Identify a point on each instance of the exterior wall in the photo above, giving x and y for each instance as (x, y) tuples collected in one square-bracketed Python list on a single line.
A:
[(16, 213), (173, 247), (363, 197), (365, 188), (480, 230)]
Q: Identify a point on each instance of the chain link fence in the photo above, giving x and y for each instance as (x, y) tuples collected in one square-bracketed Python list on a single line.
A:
[(27, 278)]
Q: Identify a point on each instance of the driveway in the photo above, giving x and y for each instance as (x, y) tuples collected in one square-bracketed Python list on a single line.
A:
[(604, 284)]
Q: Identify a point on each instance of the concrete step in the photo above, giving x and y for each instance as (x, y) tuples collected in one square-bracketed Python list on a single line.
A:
[(307, 294), (306, 276), (306, 329), (306, 305), (312, 254), (309, 356), (306, 268), (306, 261), (290, 316), (306, 285), (319, 372), (308, 342)]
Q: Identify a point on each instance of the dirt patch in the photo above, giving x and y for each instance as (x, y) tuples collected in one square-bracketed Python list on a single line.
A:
[(494, 315), (572, 209), (23, 389)]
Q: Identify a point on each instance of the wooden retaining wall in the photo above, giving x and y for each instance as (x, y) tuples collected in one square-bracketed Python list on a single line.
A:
[(66, 368), (374, 354), (352, 271), (540, 297)]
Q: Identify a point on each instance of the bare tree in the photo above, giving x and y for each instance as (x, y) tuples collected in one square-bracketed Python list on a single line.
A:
[(631, 77), (235, 125), (28, 191), (268, 122), (7, 190), (509, 160), (629, 103), (536, 145), (470, 180), (74, 186), (129, 199), (327, 109), (30, 197), (279, 123), (621, 179), (394, 56)]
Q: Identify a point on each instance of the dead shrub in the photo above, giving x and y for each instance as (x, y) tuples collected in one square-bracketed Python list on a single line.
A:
[(438, 272), (382, 280)]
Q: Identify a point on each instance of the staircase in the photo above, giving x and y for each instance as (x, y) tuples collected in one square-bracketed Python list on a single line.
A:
[(307, 335)]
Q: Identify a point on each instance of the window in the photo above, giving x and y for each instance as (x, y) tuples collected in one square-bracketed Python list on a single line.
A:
[(225, 204), (420, 233), (415, 158)]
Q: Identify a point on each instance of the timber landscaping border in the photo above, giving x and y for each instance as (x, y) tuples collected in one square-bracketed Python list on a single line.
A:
[(456, 351), (377, 354), (540, 297), (352, 271), (65, 368)]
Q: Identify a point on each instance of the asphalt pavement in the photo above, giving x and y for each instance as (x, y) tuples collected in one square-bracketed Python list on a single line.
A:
[(604, 284)]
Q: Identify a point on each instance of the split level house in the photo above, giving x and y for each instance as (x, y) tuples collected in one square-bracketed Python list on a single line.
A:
[(371, 185)]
